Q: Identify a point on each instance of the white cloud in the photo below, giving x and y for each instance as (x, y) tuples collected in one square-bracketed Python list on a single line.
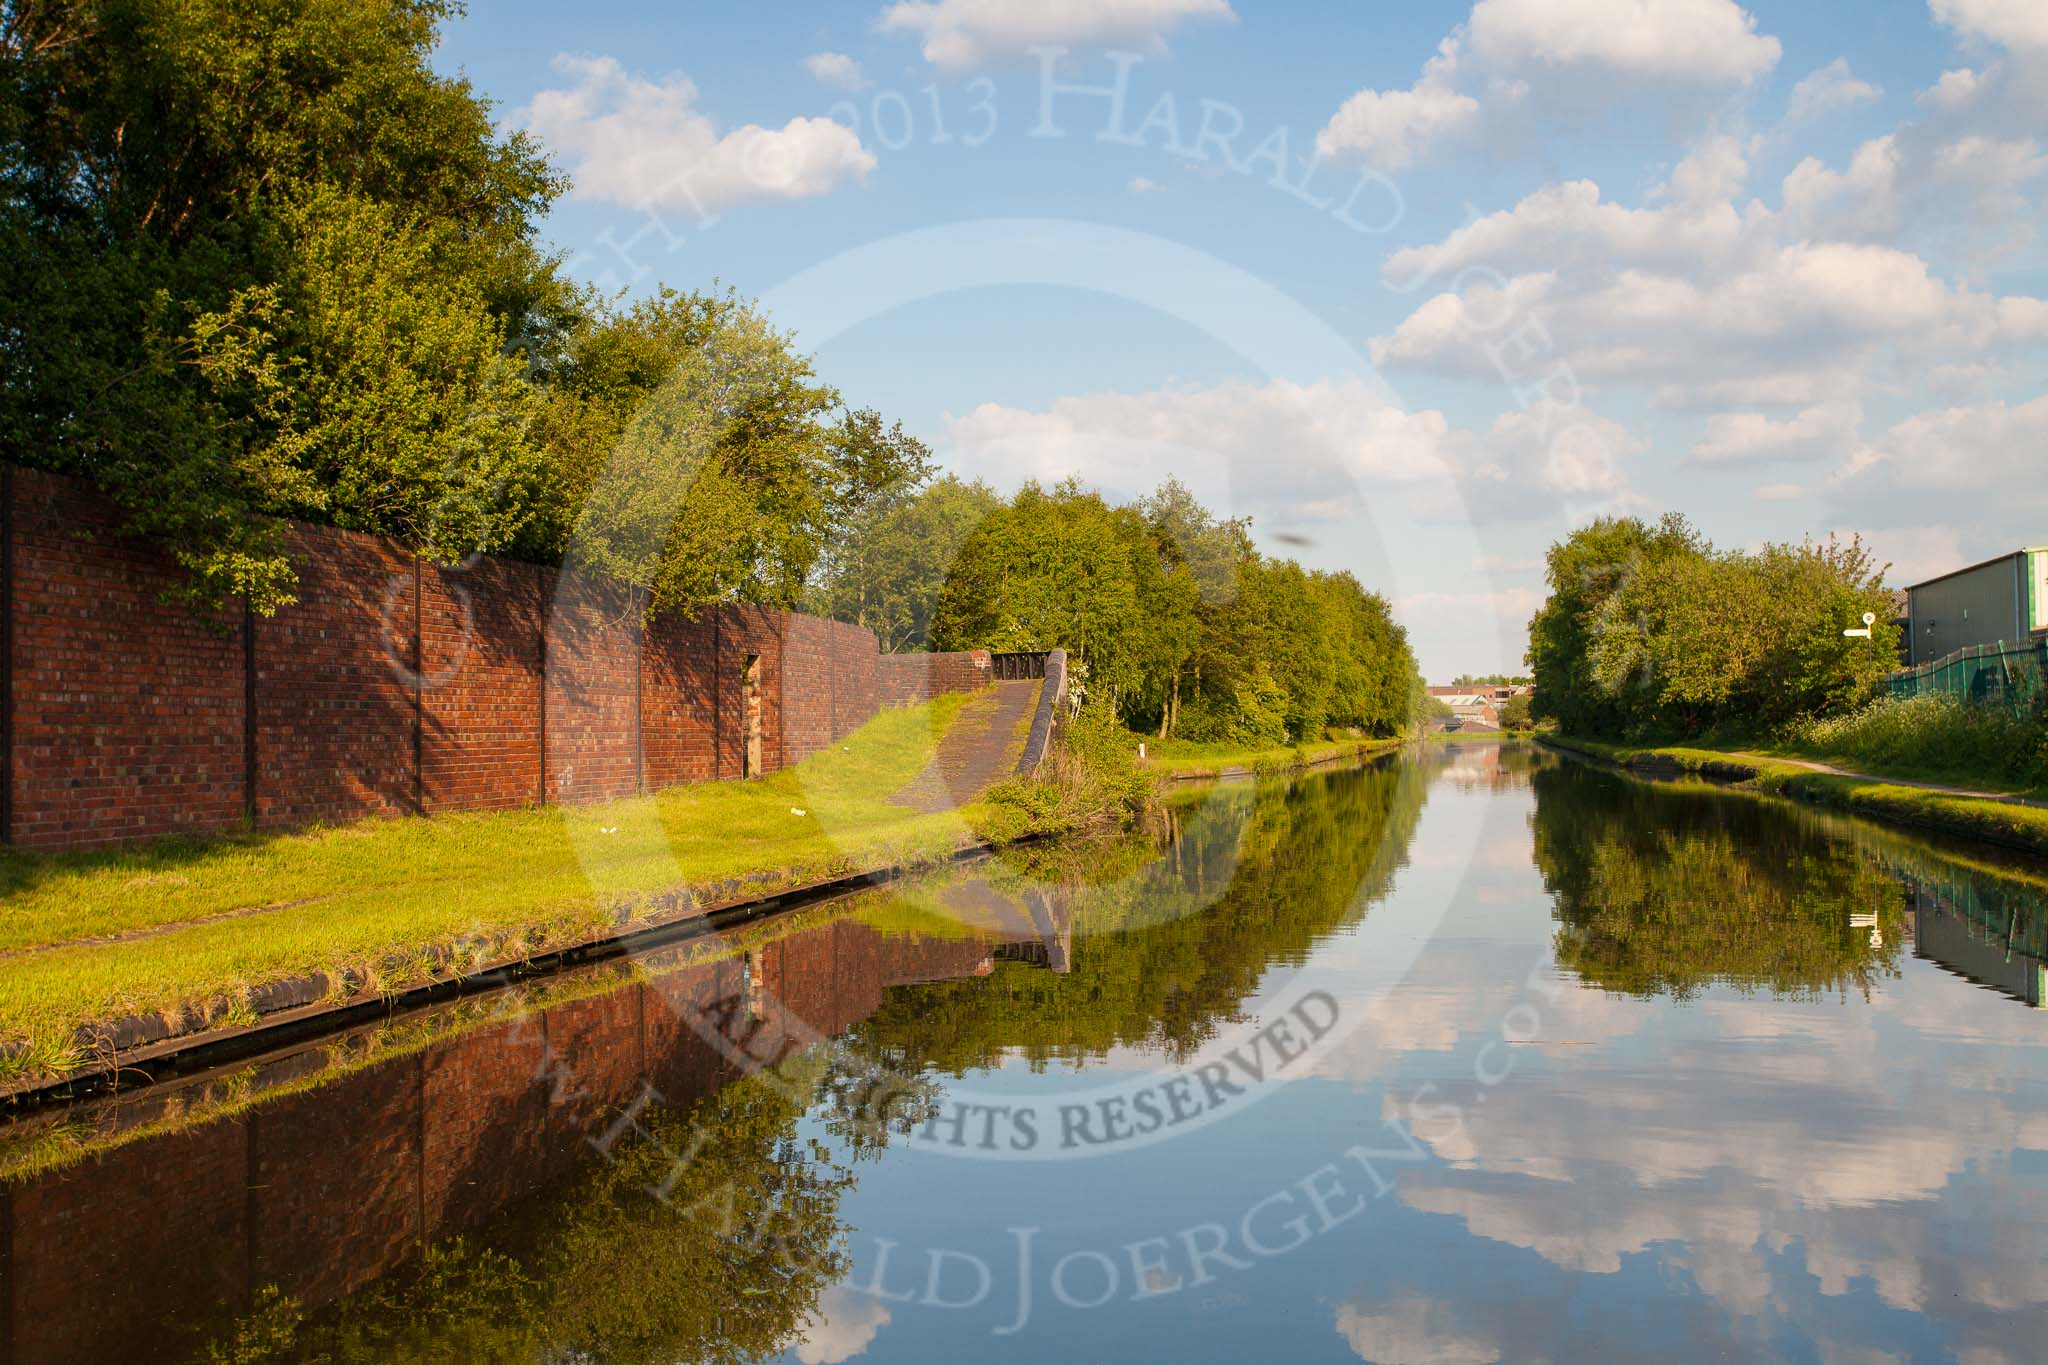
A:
[(965, 33), (1821, 432), (2017, 24), (643, 143), (844, 1326), (1988, 446), (1391, 128), (1828, 89), (836, 69), (1509, 604), (1138, 184), (1511, 55), (1301, 446), (1688, 41), (1694, 298), (1780, 492), (1861, 200)]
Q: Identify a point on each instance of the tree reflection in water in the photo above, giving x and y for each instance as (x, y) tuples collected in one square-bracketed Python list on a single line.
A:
[(1666, 890), (1170, 934)]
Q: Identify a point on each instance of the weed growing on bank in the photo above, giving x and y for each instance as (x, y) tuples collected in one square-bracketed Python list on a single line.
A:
[(1932, 737), (1090, 781)]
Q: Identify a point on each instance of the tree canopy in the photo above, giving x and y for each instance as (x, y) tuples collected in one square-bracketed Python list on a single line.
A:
[(1164, 608), (259, 260), (1650, 630)]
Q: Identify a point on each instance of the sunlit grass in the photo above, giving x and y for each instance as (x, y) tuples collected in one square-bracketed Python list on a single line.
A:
[(1182, 758), (1932, 739), (186, 928)]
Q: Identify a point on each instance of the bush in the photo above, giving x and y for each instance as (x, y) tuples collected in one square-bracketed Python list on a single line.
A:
[(1090, 780), (1934, 734)]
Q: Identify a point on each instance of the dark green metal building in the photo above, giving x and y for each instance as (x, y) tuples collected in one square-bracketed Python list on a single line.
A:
[(2001, 600)]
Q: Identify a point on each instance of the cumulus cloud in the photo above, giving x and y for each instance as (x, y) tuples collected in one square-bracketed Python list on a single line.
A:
[(1695, 297), (1991, 445), (1828, 89), (644, 143), (1511, 53), (1295, 450), (2018, 24), (1391, 128), (836, 69), (1296, 455), (958, 34), (1692, 41), (1915, 553), (1824, 431)]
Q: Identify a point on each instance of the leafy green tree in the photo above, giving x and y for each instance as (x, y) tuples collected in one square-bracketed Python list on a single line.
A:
[(688, 456), (1585, 571), (244, 244), (1054, 568), (890, 571), (1672, 636)]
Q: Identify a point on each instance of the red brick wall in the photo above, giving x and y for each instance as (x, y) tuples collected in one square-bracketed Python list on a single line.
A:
[(677, 720), (391, 686), (334, 684), (906, 679), (127, 716), (480, 696), (593, 689)]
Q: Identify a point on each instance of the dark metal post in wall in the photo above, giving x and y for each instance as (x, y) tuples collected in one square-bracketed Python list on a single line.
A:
[(6, 653), (249, 713), (419, 687)]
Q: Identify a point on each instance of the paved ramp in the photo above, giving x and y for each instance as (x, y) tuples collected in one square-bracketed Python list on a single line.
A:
[(980, 750)]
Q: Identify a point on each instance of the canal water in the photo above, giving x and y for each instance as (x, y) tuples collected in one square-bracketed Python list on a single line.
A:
[(1475, 1054)]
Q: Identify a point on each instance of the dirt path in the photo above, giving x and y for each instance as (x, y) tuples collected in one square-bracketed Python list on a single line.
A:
[(1813, 766), (980, 750)]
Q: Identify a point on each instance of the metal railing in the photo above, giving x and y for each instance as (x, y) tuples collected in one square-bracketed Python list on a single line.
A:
[(2014, 676), (1019, 664)]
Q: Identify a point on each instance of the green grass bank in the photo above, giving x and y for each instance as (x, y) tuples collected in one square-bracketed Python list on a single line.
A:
[(203, 934), (1177, 760)]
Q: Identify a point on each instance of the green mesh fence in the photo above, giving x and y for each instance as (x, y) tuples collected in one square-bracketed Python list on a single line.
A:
[(2008, 675)]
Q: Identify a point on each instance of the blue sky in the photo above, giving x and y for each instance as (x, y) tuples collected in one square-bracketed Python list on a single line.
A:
[(1773, 265)]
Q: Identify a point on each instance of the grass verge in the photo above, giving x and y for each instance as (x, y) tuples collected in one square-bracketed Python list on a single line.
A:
[(1997, 822), (191, 931), (1932, 738)]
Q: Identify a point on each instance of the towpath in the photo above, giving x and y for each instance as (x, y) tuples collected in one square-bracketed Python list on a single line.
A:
[(979, 751)]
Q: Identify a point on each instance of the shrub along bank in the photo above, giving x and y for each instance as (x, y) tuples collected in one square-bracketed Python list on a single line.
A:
[(1932, 739)]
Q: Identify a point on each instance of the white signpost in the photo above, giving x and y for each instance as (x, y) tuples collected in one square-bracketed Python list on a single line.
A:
[(1869, 620)]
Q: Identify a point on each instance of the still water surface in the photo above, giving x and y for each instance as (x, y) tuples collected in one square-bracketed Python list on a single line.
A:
[(1470, 1055)]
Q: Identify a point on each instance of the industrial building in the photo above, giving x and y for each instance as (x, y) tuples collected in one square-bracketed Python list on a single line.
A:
[(2001, 600)]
